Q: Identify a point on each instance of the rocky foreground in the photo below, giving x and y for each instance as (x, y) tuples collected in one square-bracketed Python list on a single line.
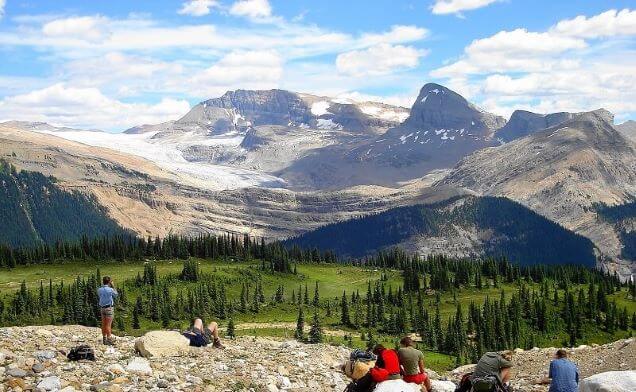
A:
[(33, 358)]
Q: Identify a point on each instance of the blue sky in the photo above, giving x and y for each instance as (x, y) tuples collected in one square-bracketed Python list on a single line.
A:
[(114, 64)]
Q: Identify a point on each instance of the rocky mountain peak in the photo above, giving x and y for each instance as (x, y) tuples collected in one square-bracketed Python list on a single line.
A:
[(438, 107), (628, 128)]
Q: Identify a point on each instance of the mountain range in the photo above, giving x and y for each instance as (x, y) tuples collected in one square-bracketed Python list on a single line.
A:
[(278, 164)]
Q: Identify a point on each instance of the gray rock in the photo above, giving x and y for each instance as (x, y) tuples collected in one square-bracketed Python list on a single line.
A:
[(17, 373), (37, 368), (51, 383)]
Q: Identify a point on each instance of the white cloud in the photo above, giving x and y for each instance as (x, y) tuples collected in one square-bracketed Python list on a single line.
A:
[(86, 107), (90, 28), (2, 4), (239, 69), (253, 9), (576, 65), (397, 34), (197, 7), (442, 7), (378, 60), (607, 24)]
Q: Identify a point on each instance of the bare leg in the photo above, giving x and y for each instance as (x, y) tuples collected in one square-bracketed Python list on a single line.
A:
[(427, 385), (214, 329), (505, 375), (198, 324)]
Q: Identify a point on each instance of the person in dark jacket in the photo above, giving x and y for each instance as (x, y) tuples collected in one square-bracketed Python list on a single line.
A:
[(492, 366), (201, 337)]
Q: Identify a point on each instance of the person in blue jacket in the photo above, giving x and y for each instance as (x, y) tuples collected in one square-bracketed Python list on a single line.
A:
[(563, 375), (107, 295)]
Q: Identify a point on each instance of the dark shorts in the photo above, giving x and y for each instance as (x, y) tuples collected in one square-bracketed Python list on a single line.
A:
[(107, 312), (199, 338)]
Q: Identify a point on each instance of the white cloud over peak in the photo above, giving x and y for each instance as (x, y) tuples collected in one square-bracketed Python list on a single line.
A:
[(577, 64), (607, 24), (442, 7), (379, 59), (397, 34), (197, 7), (252, 9), (86, 107)]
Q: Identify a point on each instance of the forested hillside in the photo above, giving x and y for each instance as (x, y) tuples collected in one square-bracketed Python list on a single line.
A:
[(33, 209), (624, 219), (500, 227)]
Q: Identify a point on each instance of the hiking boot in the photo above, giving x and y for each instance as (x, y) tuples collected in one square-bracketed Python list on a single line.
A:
[(104, 340), (217, 344), (110, 341)]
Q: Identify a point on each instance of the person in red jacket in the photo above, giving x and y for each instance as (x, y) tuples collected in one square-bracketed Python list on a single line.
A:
[(387, 366)]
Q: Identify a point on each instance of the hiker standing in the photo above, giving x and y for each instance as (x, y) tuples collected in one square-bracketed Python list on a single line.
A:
[(107, 295), (412, 362), (492, 372), (563, 375)]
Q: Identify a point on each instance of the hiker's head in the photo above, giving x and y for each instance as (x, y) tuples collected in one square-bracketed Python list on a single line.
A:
[(377, 350), (507, 355), (106, 280), (561, 353), (407, 342)]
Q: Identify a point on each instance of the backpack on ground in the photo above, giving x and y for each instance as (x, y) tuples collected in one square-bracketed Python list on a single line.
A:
[(81, 353), (487, 384), (364, 384), (465, 384)]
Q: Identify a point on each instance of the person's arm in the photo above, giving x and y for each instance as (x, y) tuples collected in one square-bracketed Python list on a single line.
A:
[(421, 363), (548, 380)]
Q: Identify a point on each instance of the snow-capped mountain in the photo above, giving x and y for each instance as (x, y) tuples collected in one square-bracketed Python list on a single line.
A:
[(442, 128)]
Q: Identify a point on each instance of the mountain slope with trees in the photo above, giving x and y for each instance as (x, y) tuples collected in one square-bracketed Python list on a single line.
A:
[(491, 226), (35, 210)]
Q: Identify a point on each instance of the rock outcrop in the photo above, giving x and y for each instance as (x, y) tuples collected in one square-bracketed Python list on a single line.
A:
[(624, 381), (162, 344), (33, 357)]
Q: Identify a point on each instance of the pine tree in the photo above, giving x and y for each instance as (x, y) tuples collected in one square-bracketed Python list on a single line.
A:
[(345, 319), (316, 300), (300, 325), (315, 332), (231, 329)]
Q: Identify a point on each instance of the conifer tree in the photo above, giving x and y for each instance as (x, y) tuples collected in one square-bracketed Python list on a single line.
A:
[(299, 334), (345, 319), (316, 300), (315, 332), (231, 329)]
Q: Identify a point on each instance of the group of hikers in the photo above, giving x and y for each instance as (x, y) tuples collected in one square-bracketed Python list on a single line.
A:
[(368, 369), (198, 335)]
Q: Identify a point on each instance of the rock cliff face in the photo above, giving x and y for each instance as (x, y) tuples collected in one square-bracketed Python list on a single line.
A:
[(32, 358), (442, 128), (523, 123), (628, 129)]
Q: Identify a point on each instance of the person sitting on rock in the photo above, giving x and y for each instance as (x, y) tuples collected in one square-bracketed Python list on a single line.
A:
[(492, 372), (412, 362), (563, 375), (201, 337), (387, 366)]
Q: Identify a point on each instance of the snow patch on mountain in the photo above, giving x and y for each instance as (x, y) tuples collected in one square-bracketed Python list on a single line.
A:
[(320, 108)]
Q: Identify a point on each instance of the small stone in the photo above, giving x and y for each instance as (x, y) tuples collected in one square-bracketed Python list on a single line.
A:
[(139, 366), (37, 368), (116, 369), (193, 379), (51, 383), (16, 383), (17, 373), (45, 354), (163, 384), (44, 333), (272, 388)]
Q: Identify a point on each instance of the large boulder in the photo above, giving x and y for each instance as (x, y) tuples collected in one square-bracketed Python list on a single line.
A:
[(161, 344), (396, 386), (623, 381), (443, 386)]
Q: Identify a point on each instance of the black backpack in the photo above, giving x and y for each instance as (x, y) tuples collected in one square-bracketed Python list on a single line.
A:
[(79, 353)]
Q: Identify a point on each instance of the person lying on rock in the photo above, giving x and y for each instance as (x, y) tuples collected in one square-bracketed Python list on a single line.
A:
[(201, 337), (387, 366), (563, 375), (492, 372), (412, 362)]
